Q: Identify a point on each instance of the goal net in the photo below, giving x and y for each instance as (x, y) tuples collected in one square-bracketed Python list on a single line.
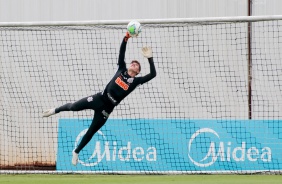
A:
[(215, 105)]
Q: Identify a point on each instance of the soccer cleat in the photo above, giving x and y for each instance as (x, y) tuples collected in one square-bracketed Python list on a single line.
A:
[(49, 112), (74, 158)]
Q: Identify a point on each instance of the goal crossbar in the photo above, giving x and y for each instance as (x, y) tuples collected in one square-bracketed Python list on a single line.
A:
[(144, 21)]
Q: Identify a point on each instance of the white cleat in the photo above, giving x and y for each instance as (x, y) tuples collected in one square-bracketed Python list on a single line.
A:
[(74, 158), (49, 112)]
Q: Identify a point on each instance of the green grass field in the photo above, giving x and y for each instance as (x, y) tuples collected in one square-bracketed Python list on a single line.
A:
[(138, 179)]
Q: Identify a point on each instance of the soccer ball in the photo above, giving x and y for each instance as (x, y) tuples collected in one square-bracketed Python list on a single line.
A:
[(134, 28)]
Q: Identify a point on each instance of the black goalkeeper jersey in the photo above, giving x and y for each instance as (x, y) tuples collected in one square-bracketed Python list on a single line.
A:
[(123, 84)]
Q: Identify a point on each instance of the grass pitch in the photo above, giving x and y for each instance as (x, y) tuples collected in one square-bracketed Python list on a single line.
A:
[(138, 179)]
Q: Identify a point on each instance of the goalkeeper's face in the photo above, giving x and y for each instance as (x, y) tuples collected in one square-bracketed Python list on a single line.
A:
[(135, 67)]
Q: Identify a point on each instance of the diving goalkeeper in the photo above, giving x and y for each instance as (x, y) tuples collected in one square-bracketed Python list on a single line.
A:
[(121, 85)]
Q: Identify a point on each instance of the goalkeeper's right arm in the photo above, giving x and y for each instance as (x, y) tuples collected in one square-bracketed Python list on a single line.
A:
[(122, 50)]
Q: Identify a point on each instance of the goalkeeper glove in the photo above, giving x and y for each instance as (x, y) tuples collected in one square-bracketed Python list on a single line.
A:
[(147, 52), (127, 35)]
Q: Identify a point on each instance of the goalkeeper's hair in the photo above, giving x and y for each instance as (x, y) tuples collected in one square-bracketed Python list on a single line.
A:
[(135, 61)]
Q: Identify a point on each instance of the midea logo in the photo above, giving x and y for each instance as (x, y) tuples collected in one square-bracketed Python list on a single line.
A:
[(225, 151), (111, 151)]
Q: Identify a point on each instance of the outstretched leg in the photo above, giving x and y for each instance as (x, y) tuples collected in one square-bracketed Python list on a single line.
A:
[(84, 103), (98, 121), (79, 105)]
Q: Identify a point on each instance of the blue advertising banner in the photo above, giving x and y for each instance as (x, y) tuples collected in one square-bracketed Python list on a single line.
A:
[(172, 145)]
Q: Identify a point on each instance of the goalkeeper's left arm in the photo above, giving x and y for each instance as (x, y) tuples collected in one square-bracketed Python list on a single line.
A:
[(147, 52)]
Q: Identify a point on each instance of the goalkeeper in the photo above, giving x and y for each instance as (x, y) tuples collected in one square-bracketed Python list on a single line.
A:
[(121, 85)]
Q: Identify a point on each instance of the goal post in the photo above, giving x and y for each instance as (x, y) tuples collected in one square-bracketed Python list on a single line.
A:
[(214, 107)]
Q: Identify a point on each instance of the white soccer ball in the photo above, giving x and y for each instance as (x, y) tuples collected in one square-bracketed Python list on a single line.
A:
[(134, 28)]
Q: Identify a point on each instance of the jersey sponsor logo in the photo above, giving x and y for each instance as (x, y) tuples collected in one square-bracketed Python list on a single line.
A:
[(121, 84)]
